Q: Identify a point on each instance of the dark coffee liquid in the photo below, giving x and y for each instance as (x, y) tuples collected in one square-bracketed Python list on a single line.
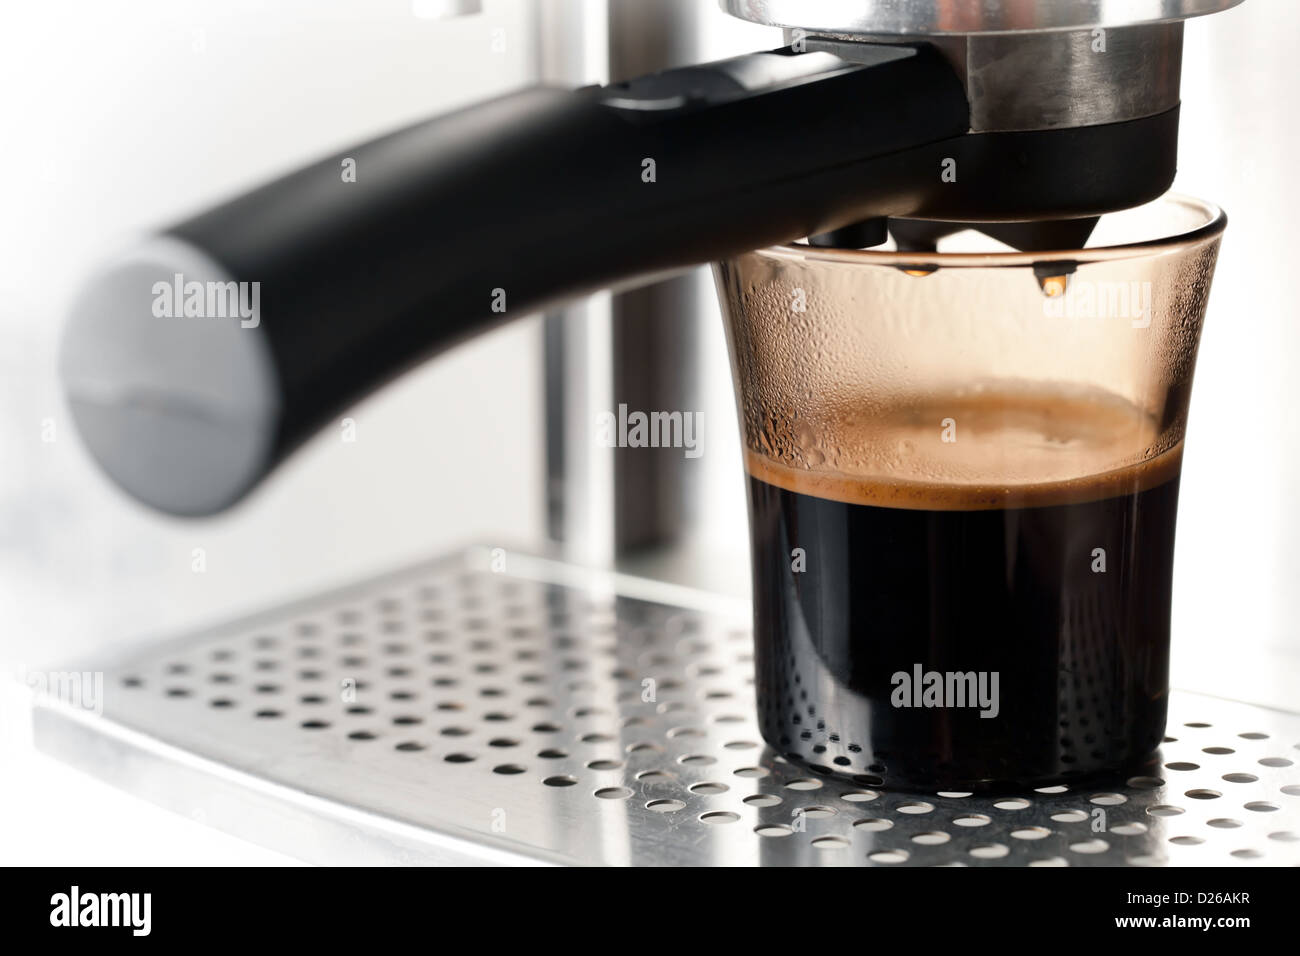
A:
[(973, 585)]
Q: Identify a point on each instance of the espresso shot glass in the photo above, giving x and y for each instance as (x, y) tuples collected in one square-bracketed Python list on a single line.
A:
[(962, 472)]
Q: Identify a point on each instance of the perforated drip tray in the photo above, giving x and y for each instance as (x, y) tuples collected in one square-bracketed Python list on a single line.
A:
[(454, 714)]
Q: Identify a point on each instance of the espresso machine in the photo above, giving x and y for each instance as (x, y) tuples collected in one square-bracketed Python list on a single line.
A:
[(1029, 120), (399, 717)]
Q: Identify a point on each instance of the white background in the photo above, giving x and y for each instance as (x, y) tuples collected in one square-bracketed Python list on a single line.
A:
[(120, 116)]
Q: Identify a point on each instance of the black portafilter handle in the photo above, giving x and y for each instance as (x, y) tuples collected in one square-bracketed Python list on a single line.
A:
[(199, 360)]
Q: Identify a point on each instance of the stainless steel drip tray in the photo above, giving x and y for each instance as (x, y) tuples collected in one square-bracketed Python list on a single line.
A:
[(453, 713)]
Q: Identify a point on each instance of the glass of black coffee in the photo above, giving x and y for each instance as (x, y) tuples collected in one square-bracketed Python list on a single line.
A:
[(962, 474)]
